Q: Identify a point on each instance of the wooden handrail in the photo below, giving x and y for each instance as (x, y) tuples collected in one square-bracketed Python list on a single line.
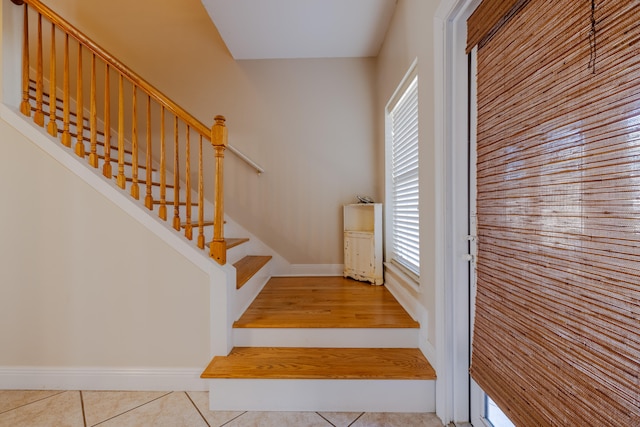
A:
[(61, 111), (66, 27), (170, 105)]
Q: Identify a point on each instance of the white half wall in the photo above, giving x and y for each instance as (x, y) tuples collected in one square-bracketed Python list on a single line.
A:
[(82, 284)]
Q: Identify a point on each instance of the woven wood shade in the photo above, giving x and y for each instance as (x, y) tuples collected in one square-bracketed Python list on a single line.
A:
[(487, 19), (557, 327)]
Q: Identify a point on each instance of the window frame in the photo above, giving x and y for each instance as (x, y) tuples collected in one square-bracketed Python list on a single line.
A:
[(410, 275)]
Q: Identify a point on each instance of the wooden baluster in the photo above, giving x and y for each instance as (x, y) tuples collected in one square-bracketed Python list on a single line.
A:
[(79, 108), (188, 231), (162, 212), (200, 198), (66, 96), (106, 167), (176, 176), (93, 116), (121, 179), (25, 107), (38, 117), (218, 249), (52, 126), (148, 200), (135, 189)]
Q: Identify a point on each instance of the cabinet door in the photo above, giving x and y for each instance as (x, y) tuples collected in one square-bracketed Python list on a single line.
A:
[(359, 254)]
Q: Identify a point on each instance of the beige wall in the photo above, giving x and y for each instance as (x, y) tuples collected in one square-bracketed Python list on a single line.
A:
[(309, 123), (81, 282), (410, 36)]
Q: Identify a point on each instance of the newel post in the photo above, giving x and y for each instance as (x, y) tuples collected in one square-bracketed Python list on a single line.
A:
[(218, 248)]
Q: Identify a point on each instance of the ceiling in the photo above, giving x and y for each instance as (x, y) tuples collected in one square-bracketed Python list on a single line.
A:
[(269, 29)]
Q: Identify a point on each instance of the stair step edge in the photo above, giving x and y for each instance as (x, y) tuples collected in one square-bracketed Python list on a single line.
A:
[(248, 266), (232, 242), (321, 363)]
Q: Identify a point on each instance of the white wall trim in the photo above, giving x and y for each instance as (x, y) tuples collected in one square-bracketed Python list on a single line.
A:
[(314, 270), (408, 301), (98, 378), (418, 312), (452, 294)]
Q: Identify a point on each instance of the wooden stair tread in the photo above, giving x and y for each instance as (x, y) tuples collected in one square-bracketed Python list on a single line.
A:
[(247, 267), (321, 363), (324, 302), (235, 241), (231, 242)]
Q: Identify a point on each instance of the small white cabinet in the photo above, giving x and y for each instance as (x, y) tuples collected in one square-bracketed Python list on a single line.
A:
[(363, 242)]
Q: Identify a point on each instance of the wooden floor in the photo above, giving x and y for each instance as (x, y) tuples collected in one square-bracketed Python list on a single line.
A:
[(321, 363), (324, 302)]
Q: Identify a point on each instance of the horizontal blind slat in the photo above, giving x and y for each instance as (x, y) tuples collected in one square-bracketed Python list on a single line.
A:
[(405, 181)]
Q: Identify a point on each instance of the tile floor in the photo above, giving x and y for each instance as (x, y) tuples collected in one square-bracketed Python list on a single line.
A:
[(40, 408)]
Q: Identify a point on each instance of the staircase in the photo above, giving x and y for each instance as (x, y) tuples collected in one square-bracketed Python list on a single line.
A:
[(247, 266), (323, 343), (144, 144)]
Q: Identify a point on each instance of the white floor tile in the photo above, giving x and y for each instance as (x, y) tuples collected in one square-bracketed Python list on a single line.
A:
[(172, 410), (100, 406), (62, 409)]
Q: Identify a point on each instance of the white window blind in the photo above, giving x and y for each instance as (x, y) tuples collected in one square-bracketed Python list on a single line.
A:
[(404, 179)]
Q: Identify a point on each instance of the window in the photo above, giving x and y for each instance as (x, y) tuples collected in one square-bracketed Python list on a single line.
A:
[(402, 176), (494, 415)]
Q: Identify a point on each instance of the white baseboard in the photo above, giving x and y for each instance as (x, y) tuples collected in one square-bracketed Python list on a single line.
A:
[(131, 379), (315, 270)]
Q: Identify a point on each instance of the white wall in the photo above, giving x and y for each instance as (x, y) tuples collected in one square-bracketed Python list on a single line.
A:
[(410, 36), (309, 123), (81, 282)]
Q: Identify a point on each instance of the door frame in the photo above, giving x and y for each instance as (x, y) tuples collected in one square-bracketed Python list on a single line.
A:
[(451, 130)]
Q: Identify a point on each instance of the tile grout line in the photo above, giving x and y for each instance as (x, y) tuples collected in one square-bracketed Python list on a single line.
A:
[(35, 401), (197, 409), (320, 415), (132, 409), (354, 421), (233, 419), (84, 416)]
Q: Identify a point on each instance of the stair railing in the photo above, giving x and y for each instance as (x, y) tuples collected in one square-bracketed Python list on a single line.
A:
[(89, 121)]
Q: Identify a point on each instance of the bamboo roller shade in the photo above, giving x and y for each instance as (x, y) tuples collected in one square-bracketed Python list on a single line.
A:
[(557, 328), (487, 19)]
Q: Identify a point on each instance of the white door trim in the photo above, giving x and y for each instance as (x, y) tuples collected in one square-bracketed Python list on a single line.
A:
[(451, 133)]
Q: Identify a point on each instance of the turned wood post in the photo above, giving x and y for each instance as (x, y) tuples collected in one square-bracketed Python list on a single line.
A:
[(218, 249), (25, 107)]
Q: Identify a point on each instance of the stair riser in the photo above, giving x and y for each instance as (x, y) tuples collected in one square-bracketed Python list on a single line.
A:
[(322, 395), (247, 293), (236, 253), (326, 337)]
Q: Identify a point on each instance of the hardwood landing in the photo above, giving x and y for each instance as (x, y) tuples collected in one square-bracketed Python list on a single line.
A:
[(324, 302), (322, 363)]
